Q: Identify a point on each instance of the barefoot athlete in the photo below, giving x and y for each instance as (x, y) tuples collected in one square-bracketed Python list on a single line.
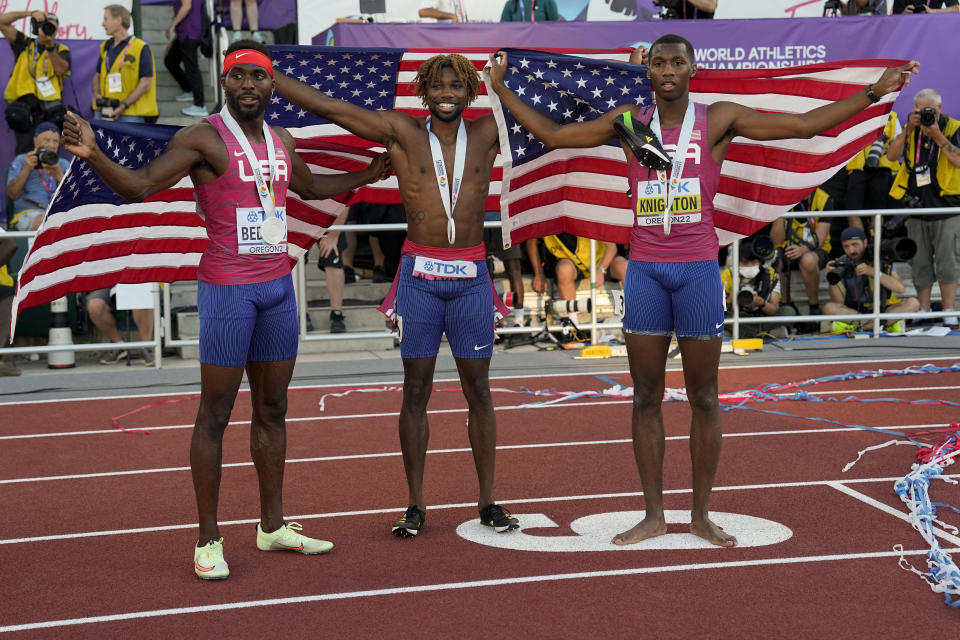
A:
[(241, 170), (673, 279), (443, 165)]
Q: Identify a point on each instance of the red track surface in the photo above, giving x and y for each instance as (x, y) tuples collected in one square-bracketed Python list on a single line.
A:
[(836, 576)]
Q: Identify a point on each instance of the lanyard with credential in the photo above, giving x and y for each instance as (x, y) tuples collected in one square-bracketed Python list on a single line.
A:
[(273, 227), (669, 191), (449, 201), (533, 7), (36, 60)]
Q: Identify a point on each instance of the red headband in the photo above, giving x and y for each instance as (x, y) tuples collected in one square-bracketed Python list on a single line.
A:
[(247, 56)]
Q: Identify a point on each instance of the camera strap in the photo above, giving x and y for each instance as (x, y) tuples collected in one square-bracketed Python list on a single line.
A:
[(679, 159)]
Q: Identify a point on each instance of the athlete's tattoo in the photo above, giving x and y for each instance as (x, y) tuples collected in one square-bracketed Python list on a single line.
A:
[(416, 217)]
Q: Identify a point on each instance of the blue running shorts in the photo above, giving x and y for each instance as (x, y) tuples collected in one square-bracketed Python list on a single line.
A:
[(685, 298), (426, 309), (242, 323)]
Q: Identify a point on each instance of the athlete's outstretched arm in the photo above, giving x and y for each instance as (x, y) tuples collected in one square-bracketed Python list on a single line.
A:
[(311, 186), (578, 134), (738, 120), (378, 126), (134, 185)]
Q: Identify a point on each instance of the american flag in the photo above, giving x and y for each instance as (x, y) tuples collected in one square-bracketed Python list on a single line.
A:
[(93, 239), (582, 191)]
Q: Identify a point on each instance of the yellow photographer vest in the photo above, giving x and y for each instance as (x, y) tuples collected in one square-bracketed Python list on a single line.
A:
[(23, 79), (580, 258), (948, 176), (128, 65), (860, 160)]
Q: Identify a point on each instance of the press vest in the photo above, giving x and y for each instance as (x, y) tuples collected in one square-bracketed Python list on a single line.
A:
[(948, 176), (23, 79), (580, 257), (128, 64), (859, 161)]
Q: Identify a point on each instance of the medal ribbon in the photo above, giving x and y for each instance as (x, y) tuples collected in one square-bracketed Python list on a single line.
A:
[(679, 159), (264, 188), (449, 200)]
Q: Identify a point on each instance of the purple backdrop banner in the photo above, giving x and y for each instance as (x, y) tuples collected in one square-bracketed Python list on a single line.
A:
[(719, 43), (272, 13)]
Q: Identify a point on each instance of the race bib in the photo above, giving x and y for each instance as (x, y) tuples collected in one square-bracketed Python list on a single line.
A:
[(651, 203), (45, 88), (432, 269), (258, 236), (114, 83)]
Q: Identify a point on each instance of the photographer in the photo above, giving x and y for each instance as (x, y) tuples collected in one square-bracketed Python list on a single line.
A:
[(34, 92), (33, 178), (686, 9), (871, 175), (125, 84), (930, 177), (759, 290), (804, 243), (851, 279), (925, 6), (855, 8)]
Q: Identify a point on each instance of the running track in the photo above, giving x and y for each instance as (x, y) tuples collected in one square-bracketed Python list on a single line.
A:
[(99, 524)]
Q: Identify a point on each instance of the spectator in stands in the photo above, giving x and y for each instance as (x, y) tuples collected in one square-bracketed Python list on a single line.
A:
[(444, 10), (513, 265), (519, 11), (34, 92), (566, 258), (253, 19), (686, 9), (125, 84), (926, 6), (865, 7), (384, 245), (871, 174), (33, 178), (331, 248), (930, 177), (99, 308), (852, 278), (7, 249), (804, 244), (180, 58), (758, 294)]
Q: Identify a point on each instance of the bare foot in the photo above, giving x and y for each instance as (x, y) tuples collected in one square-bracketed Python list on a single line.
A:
[(648, 528), (709, 531)]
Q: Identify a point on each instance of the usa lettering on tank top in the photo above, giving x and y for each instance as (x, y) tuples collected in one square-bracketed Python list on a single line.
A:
[(692, 237), (237, 252)]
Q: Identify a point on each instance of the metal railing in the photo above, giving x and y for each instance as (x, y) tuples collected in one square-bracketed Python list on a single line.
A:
[(163, 322)]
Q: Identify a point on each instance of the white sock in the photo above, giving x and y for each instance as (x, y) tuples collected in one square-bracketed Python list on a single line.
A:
[(517, 315)]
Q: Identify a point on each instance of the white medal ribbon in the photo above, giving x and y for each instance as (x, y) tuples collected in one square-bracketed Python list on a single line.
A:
[(273, 228), (449, 201), (679, 159)]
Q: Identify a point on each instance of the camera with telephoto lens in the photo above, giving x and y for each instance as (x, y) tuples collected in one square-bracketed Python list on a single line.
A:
[(833, 8), (47, 157), (745, 295), (895, 250), (669, 9), (107, 105), (928, 116), (876, 150), (560, 308), (47, 27), (843, 269)]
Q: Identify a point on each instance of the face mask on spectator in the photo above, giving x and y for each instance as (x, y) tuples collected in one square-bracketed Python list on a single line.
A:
[(749, 273)]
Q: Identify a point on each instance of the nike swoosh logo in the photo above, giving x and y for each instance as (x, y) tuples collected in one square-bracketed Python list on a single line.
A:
[(476, 348), (240, 153), (202, 568), (240, 55), (719, 325), (300, 548)]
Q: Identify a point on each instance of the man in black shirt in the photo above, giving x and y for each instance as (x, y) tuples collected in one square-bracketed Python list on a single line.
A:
[(926, 6), (686, 9)]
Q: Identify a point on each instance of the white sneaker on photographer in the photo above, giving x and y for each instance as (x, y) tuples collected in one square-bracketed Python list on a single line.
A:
[(951, 321), (184, 97)]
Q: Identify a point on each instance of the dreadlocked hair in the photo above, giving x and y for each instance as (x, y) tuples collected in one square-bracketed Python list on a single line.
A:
[(429, 72)]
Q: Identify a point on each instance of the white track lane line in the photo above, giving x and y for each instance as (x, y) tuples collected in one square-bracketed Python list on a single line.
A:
[(612, 372), (450, 586), (397, 454), (464, 505), (389, 414), (839, 486)]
